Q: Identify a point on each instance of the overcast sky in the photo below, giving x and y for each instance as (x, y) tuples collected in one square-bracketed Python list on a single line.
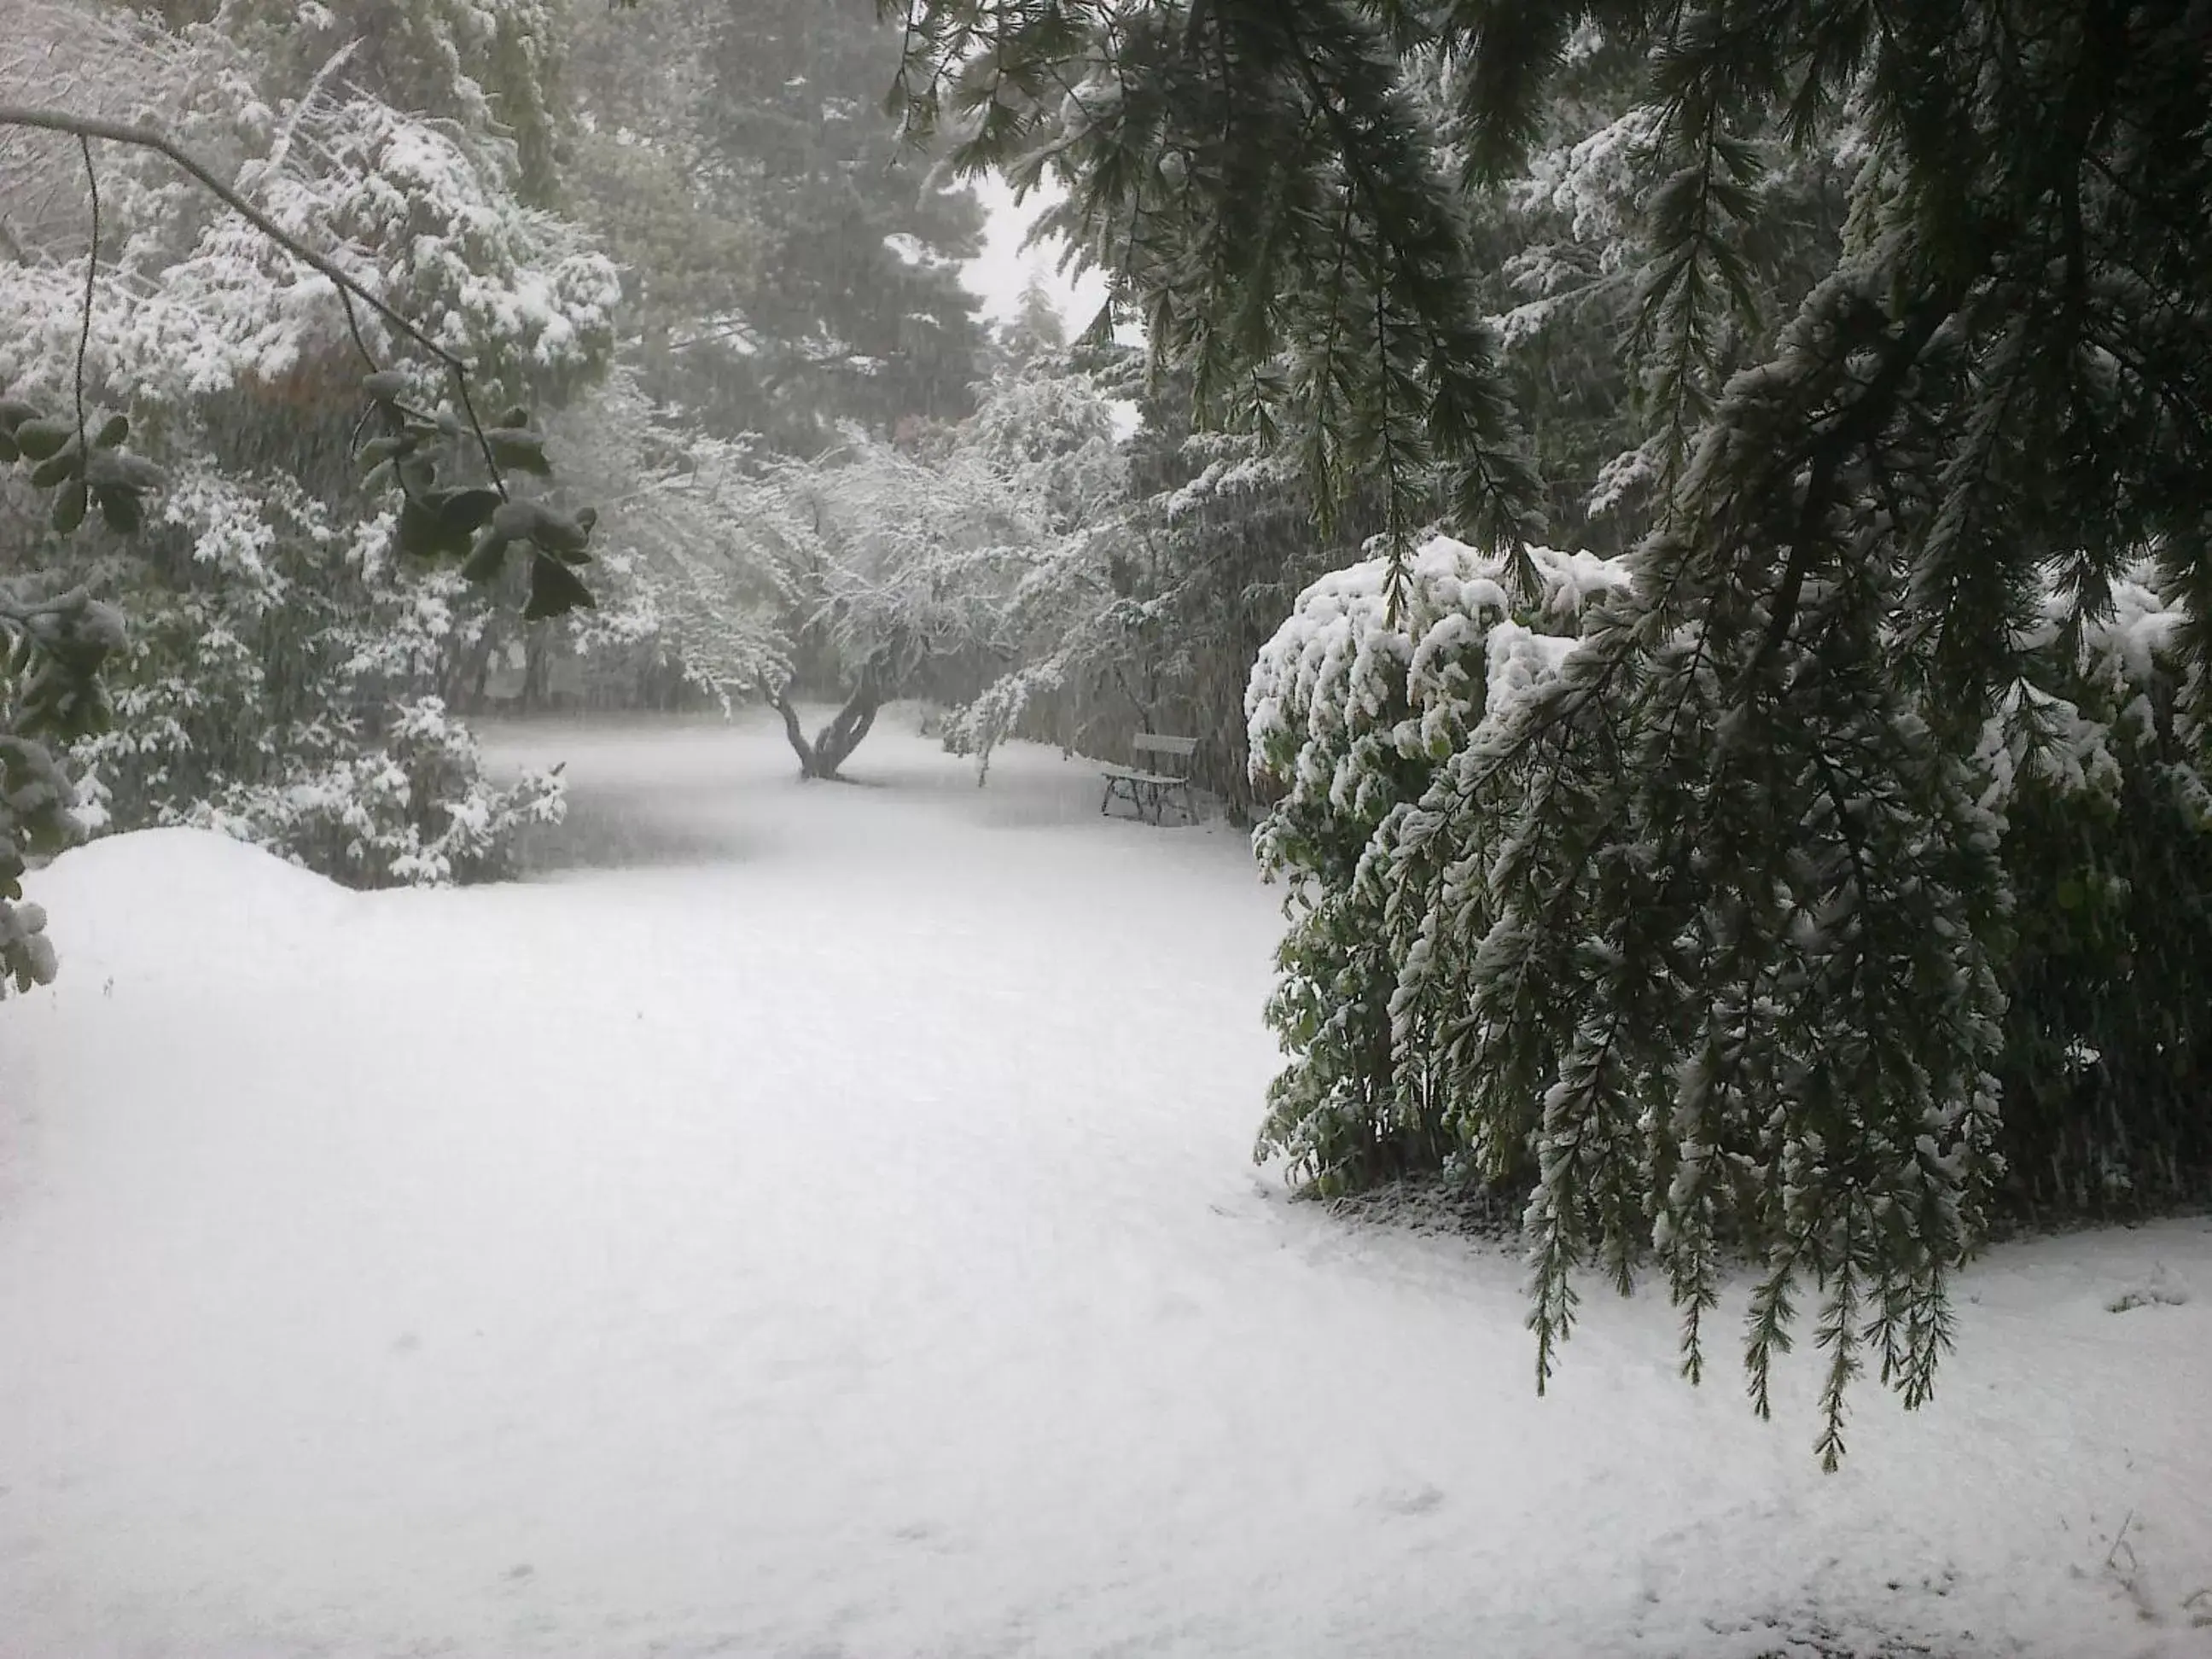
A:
[(1003, 270)]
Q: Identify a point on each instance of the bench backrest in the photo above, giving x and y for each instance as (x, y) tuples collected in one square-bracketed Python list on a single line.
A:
[(1151, 743)]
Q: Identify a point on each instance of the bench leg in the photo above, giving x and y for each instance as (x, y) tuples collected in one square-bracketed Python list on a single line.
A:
[(1148, 802)]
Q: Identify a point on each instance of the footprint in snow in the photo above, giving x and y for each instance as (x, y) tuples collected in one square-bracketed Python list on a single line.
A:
[(2160, 1289), (1423, 1500)]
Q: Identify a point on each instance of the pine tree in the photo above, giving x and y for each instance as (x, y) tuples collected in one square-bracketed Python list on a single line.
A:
[(865, 317), (763, 125)]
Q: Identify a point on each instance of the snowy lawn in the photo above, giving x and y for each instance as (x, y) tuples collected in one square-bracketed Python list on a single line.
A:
[(819, 1221)]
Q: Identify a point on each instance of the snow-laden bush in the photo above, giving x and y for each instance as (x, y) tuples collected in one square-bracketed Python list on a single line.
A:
[(1352, 706), (414, 808), (2093, 775), (2101, 778), (276, 692)]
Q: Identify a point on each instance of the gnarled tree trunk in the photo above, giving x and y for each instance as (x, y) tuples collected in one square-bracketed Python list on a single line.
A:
[(834, 742)]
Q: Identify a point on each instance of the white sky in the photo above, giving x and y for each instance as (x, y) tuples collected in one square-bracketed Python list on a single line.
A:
[(1003, 270)]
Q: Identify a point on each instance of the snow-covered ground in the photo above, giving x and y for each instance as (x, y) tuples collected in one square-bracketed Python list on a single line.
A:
[(819, 1221)]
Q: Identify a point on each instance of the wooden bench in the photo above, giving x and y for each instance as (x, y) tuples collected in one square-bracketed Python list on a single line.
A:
[(1147, 787)]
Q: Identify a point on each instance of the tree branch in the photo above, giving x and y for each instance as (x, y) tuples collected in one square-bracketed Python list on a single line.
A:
[(91, 271), (84, 128), (1856, 425)]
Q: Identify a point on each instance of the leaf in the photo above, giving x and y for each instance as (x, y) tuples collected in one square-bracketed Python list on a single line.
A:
[(51, 470), (525, 452), (517, 520), (8, 453), (69, 507), (554, 590), (112, 431), (517, 417), (121, 469), (378, 450), (14, 411), (486, 555), (120, 506), (558, 532), (443, 521), (423, 534), (386, 385), (468, 506), (418, 473), (40, 438)]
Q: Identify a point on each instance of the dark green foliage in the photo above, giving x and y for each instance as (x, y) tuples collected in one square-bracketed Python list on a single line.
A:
[(2107, 1069), (845, 326), (2107, 1065), (476, 523), (57, 638), (1223, 560), (1270, 199)]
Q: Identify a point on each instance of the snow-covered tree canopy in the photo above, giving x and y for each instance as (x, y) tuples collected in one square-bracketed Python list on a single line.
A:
[(882, 568), (901, 565), (688, 544), (197, 302)]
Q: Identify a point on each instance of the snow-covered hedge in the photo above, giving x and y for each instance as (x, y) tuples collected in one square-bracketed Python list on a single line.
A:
[(413, 808), (2100, 772), (1352, 706), (278, 695), (2091, 764)]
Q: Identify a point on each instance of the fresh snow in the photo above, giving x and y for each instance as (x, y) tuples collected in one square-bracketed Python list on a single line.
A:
[(819, 1221)]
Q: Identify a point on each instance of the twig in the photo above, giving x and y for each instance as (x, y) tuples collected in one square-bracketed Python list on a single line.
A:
[(91, 271), (353, 324), (85, 127), (2119, 1542), (468, 409)]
